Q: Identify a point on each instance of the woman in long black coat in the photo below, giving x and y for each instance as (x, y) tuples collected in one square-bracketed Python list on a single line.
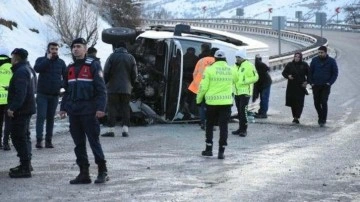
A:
[(296, 72)]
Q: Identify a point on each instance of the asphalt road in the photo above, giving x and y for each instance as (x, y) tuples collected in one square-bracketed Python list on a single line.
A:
[(278, 161)]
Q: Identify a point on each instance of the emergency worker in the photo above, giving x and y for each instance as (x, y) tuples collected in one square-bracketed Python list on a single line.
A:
[(84, 101), (200, 67), (5, 76), (246, 77), (216, 90)]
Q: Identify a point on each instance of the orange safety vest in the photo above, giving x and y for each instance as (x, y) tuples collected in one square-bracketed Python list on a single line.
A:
[(198, 73)]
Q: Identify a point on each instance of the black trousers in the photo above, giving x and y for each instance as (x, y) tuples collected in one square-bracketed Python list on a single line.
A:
[(217, 114), (4, 124), (321, 95), (83, 126), (297, 110), (242, 102), (118, 105), (19, 129)]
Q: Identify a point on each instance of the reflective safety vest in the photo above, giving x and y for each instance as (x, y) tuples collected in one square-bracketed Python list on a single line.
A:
[(198, 73), (5, 76), (216, 87), (246, 76)]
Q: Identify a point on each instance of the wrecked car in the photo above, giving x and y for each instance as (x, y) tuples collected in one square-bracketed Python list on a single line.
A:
[(164, 71)]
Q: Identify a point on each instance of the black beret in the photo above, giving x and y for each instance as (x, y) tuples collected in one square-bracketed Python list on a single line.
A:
[(78, 41), (22, 53)]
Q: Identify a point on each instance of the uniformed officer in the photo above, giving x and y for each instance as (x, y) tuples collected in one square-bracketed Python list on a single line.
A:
[(84, 101), (5, 76), (246, 76), (216, 89)]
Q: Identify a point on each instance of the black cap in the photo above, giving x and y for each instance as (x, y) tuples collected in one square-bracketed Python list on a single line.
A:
[(78, 41), (91, 50), (22, 53)]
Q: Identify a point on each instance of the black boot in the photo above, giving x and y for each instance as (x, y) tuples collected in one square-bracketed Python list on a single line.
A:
[(83, 177), (18, 167), (22, 171), (39, 144), (236, 132), (208, 150), (221, 152), (48, 143), (102, 174), (1, 145)]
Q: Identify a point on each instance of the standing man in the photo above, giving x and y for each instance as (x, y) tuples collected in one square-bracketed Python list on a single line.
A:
[(21, 106), (323, 74), (91, 52), (120, 74), (216, 89), (262, 87), (246, 77), (200, 67), (5, 76), (84, 101), (51, 70)]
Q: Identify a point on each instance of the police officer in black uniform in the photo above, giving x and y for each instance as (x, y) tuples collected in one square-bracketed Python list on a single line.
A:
[(84, 101)]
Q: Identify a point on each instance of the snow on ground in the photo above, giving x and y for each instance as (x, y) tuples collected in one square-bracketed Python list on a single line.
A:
[(26, 17)]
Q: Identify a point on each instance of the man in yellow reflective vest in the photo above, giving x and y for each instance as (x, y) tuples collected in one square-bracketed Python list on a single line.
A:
[(246, 77), (216, 89), (5, 76)]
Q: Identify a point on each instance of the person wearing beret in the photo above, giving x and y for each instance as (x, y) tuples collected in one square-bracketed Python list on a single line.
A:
[(84, 102)]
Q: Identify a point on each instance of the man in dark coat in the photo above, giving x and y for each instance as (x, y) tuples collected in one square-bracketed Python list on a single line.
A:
[(297, 73), (21, 106), (120, 74), (262, 87), (51, 71), (323, 74)]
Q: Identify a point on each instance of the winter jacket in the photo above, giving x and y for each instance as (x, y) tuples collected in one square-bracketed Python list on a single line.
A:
[(264, 77), (120, 72), (323, 71), (5, 76), (21, 97), (216, 85), (246, 76), (51, 73), (198, 73), (85, 91), (295, 92)]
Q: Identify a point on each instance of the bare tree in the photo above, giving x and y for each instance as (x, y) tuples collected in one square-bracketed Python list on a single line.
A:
[(73, 20), (125, 13), (353, 13)]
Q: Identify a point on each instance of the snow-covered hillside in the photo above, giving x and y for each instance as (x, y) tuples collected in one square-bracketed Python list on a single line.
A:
[(22, 12), (252, 8)]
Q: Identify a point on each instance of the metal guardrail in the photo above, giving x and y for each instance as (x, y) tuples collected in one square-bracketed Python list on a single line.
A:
[(262, 22), (311, 42)]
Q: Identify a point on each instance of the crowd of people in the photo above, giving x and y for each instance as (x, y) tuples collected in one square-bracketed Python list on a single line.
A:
[(215, 85)]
